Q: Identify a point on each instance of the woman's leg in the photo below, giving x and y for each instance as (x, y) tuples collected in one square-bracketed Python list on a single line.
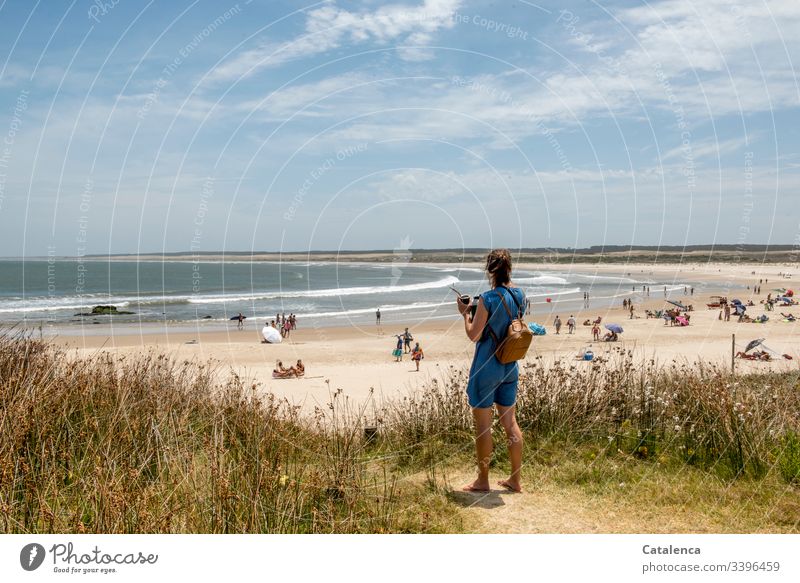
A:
[(483, 447), (508, 419)]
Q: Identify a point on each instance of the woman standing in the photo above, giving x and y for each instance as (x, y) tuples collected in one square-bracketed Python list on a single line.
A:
[(492, 383), (398, 351)]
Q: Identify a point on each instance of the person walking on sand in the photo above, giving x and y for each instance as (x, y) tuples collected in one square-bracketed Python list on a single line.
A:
[(240, 321), (557, 324), (378, 317), (492, 383), (417, 355), (630, 307), (571, 324), (398, 351)]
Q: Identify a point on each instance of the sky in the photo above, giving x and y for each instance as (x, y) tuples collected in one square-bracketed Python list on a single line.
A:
[(148, 126)]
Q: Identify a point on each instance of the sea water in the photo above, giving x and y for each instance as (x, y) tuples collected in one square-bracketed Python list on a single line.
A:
[(54, 291)]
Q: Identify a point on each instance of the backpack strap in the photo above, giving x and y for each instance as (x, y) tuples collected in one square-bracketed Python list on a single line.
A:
[(519, 308), (508, 311)]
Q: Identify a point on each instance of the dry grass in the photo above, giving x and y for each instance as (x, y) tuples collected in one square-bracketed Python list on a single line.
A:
[(154, 445)]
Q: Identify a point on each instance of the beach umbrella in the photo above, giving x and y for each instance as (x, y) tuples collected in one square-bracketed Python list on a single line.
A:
[(736, 301), (271, 335), (678, 304), (753, 343), (615, 328)]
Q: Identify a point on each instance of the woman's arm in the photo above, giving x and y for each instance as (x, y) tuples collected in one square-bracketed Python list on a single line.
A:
[(474, 327)]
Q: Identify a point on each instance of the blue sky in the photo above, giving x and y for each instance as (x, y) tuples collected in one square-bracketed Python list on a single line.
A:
[(147, 126)]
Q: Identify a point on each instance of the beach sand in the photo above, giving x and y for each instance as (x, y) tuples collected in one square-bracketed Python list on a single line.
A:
[(358, 360)]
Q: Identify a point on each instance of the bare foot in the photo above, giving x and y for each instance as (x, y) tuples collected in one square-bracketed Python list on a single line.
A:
[(511, 486), (477, 486)]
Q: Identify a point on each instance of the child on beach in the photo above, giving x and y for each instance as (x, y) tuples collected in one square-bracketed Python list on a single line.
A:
[(417, 355), (596, 333)]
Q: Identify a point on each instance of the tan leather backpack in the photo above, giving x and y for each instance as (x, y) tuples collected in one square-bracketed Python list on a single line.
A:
[(518, 338)]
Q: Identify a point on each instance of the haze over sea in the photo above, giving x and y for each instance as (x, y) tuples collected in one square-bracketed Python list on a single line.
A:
[(326, 293)]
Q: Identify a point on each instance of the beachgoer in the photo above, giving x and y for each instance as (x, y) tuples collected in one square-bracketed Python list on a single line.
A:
[(596, 333), (557, 324), (630, 307), (240, 320), (571, 324), (727, 311), (490, 381), (417, 355), (299, 368), (378, 317), (527, 306), (281, 372), (407, 338), (398, 351)]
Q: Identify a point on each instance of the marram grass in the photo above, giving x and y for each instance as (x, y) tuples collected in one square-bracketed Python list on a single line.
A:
[(149, 444)]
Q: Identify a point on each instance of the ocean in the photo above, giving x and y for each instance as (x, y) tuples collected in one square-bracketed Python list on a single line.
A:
[(52, 291)]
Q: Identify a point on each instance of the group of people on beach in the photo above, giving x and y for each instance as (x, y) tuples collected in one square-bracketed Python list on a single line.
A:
[(296, 371), (285, 324), (403, 346), (282, 323), (570, 324)]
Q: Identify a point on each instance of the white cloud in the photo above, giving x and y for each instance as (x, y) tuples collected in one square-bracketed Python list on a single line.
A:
[(330, 27)]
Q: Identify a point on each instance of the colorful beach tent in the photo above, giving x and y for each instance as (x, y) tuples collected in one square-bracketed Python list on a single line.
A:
[(537, 329)]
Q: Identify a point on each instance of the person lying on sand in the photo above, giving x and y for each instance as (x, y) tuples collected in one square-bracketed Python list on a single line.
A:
[(789, 317)]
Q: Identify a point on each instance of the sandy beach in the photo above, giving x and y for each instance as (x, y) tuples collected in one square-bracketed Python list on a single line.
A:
[(357, 359)]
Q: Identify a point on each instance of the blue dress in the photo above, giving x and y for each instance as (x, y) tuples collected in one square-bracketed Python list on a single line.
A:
[(491, 381)]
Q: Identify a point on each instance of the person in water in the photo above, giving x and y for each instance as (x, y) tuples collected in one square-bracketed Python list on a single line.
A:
[(492, 383)]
